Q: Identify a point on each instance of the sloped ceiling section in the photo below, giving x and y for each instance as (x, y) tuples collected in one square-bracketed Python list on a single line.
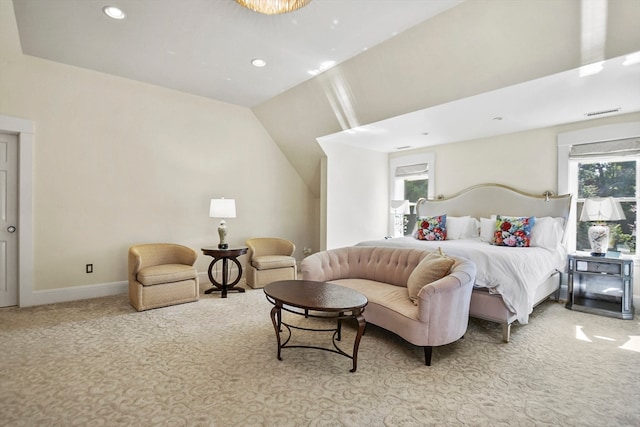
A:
[(475, 48), (205, 47)]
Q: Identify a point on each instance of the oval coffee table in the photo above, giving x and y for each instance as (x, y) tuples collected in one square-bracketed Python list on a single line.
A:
[(319, 300)]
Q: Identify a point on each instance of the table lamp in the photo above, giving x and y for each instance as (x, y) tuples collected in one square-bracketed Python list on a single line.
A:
[(222, 208), (399, 208), (600, 210)]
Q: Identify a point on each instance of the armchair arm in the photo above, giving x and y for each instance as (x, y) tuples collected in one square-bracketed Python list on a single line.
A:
[(148, 255), (261, 246)]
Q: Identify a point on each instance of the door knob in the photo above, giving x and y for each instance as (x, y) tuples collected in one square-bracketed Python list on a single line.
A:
[(11, 229)]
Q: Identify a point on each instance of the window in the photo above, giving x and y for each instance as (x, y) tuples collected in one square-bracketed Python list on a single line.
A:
[(607, 169), (411, 179), (609, 177)]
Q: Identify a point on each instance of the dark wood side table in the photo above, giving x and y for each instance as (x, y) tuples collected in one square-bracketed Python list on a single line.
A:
[(225, 255), (317, 299)]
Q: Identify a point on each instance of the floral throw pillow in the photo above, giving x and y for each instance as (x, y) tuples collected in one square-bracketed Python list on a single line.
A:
[(513, 231), (432, 228)]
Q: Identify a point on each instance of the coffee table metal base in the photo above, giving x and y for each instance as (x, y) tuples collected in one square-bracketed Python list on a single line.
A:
[(309, 298), (276, 318)]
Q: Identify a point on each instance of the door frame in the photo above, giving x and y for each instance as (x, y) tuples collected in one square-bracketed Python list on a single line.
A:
[(24, 130)]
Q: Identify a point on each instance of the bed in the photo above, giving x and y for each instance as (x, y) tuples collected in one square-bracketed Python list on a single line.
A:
[(511, 281)]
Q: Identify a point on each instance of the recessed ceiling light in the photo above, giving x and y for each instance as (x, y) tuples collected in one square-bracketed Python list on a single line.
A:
[(113, 12), (258, 62)]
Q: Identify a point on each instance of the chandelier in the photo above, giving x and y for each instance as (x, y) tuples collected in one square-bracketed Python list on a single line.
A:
[(273, 7)]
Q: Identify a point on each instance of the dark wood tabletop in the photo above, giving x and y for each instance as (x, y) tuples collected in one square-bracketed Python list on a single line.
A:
[(215, 252), (319, 296)]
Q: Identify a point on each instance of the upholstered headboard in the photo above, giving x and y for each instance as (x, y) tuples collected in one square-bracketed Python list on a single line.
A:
[(484, 200)]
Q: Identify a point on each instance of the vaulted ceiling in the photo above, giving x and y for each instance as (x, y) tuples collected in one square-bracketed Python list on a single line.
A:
[(498, 67)]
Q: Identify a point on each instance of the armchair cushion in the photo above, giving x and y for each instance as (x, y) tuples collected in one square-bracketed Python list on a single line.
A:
[(165, 274), (267, 262)]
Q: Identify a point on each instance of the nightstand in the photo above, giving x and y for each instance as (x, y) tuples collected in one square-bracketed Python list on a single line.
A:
[(600, 285)]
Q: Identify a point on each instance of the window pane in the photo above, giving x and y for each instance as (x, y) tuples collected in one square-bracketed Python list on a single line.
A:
[(604, 179), (622, 235), (413, 190)]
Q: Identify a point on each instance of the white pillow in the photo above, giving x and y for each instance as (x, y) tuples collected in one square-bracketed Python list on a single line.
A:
[(473, 228), (487, 228), (456, 226), (547, 232), (462, 227)]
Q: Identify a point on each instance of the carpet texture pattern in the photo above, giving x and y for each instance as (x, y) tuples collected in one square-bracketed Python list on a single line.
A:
[(213, 363)]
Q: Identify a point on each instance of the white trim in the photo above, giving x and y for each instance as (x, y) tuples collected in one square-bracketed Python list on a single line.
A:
[(24, 129), (74, 293)]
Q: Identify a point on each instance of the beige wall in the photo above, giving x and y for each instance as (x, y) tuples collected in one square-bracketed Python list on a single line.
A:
[(118, 162), (525, 160), (357, 198)]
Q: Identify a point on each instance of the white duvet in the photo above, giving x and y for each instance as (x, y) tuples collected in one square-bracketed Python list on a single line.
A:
[(514, 273)]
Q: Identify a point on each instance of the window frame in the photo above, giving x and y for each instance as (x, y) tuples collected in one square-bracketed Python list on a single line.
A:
[(573, 168), (396, 192), (568, 170)]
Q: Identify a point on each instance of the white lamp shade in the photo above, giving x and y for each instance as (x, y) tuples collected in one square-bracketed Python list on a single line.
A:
[(602, 209), (222, 208)]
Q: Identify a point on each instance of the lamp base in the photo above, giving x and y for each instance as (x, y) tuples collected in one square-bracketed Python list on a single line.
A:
[(599, 239), (222, 232)]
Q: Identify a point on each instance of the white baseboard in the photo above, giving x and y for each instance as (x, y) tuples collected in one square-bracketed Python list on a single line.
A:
[(51, 296), (74, 293)]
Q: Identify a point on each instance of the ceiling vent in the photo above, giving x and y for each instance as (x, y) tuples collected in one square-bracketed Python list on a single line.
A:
[(598, 113)]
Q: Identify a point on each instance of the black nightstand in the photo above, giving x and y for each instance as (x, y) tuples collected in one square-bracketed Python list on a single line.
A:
[(600, 285)]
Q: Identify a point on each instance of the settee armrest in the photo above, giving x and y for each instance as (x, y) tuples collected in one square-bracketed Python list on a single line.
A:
[(444, 304), (311, 268)]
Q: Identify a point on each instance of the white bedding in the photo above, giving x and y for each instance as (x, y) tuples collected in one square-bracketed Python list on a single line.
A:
[(514, 273)]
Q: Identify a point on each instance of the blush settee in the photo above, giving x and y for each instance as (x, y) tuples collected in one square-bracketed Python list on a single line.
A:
[(394, 280)]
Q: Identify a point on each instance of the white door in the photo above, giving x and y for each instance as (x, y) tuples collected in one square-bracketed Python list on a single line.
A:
[(8, 220)]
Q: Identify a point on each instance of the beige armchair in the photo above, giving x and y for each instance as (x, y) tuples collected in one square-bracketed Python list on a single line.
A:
[(270, 259), (162, 274)]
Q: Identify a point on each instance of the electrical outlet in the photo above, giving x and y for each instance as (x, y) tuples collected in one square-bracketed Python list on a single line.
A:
[(89, 268)]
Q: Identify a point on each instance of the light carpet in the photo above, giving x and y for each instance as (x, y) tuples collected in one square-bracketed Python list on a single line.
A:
[(213, 363)]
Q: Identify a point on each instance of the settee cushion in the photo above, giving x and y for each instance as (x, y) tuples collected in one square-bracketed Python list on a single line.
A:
[(432, 267), (267, 262), (165, 273)]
